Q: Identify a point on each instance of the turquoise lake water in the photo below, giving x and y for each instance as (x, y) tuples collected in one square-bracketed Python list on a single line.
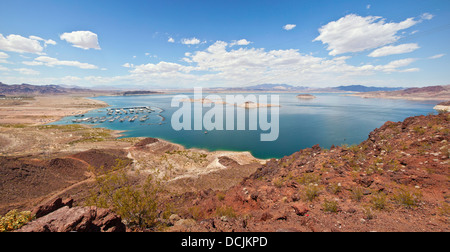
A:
[(329, 119)]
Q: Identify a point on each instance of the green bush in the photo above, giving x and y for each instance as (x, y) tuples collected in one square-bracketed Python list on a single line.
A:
[(136, 204)]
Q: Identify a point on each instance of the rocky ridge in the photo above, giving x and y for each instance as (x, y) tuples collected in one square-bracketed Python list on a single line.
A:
[(396, 180)]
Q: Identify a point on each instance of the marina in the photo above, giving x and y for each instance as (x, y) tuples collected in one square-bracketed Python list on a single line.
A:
[(126, 114)]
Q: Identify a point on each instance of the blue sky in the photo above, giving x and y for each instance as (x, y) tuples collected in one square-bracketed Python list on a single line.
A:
[(171, 44)]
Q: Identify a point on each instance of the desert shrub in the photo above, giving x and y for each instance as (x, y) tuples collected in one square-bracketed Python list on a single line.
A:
[(311, 192), (227, 211), (197, 213), (278, 182), (309, 178), (220, 196), (407, 198), (335, 188), (137, 204), (445, 209), (357, 193), (419, 130), (368, 213), (379, 201), (14, 220), (330, 206)]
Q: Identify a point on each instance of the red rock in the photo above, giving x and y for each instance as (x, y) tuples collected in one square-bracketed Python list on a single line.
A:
[(76, 219), (300, 208), (52, 206)]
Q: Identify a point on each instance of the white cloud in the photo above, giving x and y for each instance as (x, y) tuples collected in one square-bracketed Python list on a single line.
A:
[(4, 69), (427, 16), (3, 55), (437, 56), (26, 71), (240, 42), (128, 65), (161, 67), (220, 65), (390, 50), (354, 33), (394, 66), (50, 42), (82, 39), (191, 41), (32, 63), (289, 27), (51, 62), (171, 40), (46, 42), (17, 43), (368, 6)]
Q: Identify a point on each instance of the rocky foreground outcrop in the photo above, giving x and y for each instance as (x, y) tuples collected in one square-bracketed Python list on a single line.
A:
[(60, 216)]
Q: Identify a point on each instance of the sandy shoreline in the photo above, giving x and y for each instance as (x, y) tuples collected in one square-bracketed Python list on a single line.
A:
[(45, 109)]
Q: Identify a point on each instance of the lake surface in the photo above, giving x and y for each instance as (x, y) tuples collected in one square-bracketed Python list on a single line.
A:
[(329, 119)]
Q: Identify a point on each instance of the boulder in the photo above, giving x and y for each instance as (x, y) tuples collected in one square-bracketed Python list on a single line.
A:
[(51, 207), (76, 219), (300, 208)]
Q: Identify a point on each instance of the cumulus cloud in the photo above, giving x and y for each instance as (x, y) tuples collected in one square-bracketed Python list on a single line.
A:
[(390, 50), (240, 42), (354, 33), (219, 64), (51, 62), (17, 43), (82, 39), (191, 41), (171, 40), (289, 27)]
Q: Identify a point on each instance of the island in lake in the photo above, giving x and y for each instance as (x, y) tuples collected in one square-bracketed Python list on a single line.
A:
[(306, 96)]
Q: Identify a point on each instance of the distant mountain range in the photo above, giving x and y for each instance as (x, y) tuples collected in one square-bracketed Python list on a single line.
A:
[(361, 88), (28, 89), (286, 87)]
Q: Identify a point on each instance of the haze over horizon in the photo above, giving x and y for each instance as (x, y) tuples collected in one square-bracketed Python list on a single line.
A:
[(181, 44)]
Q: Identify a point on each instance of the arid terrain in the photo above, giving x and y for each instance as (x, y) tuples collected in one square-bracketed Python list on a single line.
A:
[(396, 180), (44, 109), (39, 162)]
